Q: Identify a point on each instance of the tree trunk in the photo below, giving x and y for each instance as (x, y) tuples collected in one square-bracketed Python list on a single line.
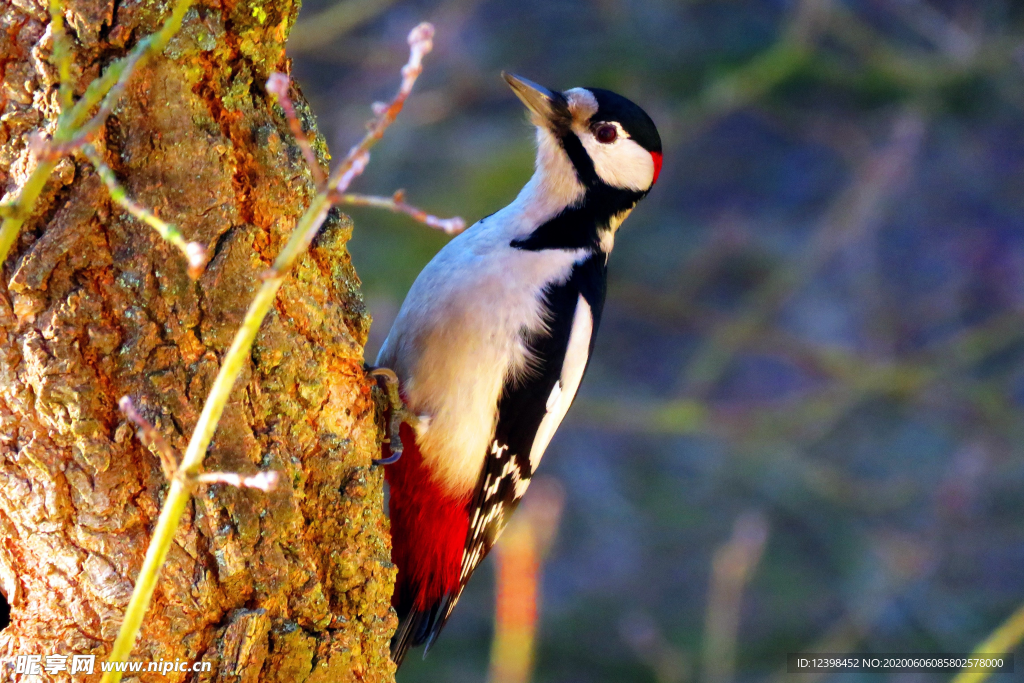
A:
[(293, 585)]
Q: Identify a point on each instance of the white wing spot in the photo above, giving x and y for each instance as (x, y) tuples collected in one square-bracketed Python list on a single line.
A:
[(521, 486), (553, 397), (572, 372), (489, 519)]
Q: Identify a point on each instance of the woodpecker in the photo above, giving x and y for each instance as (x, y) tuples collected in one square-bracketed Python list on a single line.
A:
[(493, 340)]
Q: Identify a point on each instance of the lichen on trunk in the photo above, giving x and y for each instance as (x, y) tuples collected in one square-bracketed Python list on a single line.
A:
[(293, 585)]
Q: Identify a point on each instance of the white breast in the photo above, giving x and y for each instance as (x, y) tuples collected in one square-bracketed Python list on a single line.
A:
[(458, 337)]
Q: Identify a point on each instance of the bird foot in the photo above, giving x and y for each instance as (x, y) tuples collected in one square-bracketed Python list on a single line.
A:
[(399, 413)]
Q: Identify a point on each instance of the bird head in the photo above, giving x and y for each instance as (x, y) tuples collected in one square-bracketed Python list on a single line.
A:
[(608, 139)]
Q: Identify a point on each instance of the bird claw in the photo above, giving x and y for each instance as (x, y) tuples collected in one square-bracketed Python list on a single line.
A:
[(399, 414), (396, 454)]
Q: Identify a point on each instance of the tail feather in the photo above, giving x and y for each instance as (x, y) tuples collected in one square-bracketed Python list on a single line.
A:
[(409, 634), (419, 627)]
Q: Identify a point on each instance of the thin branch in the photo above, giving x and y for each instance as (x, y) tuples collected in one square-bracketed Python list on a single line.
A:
[(856, 212), (355, 169), (111, 84), (72, 128), (151, 437), (732, 567), (238, 355), (1006, 638), (20, 209), (85, 131), (763, 73), (194, 252), (264, 481), (421, 41), (277, 85), (61, 53), (396, 203)]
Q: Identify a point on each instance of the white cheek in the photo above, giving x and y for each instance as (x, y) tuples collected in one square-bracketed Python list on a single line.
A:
[(622, 163)]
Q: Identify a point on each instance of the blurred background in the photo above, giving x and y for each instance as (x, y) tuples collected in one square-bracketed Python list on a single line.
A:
[(801, 429)]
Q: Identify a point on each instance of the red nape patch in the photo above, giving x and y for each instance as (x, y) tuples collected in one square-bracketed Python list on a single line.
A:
[(428, 530), (656, 157)]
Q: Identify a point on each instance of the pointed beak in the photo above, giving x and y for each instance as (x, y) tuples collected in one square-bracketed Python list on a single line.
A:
[(547, 107)]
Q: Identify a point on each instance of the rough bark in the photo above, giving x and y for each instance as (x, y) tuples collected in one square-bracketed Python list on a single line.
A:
[(288, 586)]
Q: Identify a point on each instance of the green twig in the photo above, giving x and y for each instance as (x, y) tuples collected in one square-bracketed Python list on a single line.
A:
[(193, 252), (72, 126), (83, 131), (22, 207), (1004, 639), (61, 53), (239, 353), (180, 491), (108, 88)]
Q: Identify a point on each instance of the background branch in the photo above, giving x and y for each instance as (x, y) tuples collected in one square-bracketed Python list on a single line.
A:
[(335, 21)]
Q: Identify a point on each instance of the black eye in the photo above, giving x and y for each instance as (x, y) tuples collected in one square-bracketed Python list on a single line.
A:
[(606, 134)]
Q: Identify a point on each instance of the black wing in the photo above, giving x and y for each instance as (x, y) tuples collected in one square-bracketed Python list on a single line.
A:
[(521, 408)]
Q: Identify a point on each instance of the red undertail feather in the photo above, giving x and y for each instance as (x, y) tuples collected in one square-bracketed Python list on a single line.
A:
[(428, 531)]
